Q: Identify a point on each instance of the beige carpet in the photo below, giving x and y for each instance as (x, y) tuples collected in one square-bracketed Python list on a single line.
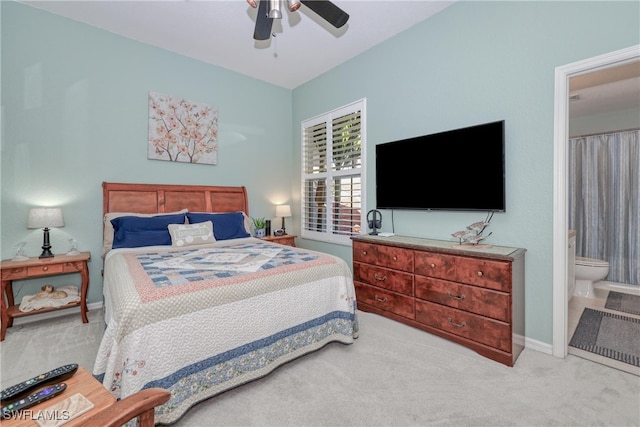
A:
[(393, 375)]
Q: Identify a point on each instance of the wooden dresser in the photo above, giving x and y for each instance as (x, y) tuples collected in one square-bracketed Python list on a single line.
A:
[(471, 295)]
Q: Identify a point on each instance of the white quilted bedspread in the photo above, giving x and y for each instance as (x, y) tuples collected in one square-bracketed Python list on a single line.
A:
[(179, 319)]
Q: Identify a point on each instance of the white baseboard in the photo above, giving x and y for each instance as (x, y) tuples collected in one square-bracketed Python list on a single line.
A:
[(54, 314), (538, 345), (532, 344)]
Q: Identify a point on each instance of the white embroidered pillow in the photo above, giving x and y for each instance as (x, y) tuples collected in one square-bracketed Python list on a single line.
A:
[(191, 234)]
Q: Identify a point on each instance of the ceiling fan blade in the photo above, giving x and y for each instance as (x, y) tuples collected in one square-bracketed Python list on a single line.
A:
[(262, 30), (328, 11)]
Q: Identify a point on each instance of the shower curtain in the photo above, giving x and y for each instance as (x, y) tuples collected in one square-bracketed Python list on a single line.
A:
[(604, 201)]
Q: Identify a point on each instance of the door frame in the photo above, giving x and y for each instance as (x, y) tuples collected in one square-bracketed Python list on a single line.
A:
[(560, 182)]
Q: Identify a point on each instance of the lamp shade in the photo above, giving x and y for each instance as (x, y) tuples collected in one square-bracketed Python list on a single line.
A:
[(283, 211), (45, 218)]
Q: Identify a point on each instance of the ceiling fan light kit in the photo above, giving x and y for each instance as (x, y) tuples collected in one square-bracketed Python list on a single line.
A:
[(268, 10)]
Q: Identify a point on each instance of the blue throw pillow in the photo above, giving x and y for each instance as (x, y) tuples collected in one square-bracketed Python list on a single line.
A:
[(137, 239), (225, 225), (135, 231)]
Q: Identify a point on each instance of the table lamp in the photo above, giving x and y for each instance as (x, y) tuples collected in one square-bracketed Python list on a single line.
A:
[(285, 212), (45, 218)]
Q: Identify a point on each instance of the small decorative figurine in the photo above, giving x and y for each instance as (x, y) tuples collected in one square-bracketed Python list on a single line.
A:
[(74, 247), (473, 234), (20, 256)]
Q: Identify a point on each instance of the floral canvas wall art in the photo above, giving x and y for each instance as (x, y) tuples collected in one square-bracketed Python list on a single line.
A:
[(182, 130)]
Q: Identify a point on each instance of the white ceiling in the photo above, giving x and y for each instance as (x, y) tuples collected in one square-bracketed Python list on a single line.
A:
[(611, 89), (220, 32)]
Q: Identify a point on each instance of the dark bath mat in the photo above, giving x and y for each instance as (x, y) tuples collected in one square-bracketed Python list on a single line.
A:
[(627, 303), (607, 334)]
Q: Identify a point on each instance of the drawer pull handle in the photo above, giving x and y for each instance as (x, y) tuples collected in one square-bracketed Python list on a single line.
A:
[(364, 252), (457, 325), (432, 265), (45, 268), (375, 276), (377, 298), (395, 258), (480, 273), (460, 298)]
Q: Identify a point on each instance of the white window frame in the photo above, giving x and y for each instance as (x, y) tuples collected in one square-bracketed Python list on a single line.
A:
[(327, 234)]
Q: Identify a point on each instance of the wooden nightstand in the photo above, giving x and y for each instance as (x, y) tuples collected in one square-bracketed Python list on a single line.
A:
[(41, 267), (287, 239), (81, 382)]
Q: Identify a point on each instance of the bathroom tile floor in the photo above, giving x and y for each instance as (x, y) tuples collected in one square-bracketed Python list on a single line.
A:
[(576, 306)]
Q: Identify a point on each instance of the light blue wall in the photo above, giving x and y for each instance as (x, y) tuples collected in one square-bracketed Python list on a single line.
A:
[(75, 114), (472, 63)]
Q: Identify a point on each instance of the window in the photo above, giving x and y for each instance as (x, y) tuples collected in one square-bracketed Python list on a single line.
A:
[(333, 174)]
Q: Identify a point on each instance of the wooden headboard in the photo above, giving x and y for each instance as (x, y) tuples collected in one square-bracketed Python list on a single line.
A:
[(160, 198)]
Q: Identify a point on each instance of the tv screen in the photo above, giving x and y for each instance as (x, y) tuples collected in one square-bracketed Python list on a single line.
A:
[(460, 169)]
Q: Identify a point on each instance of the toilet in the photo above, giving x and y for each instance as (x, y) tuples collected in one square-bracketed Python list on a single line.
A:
[(589, 271)]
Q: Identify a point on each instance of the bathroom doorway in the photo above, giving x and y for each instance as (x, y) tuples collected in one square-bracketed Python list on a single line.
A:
[(563, 76)]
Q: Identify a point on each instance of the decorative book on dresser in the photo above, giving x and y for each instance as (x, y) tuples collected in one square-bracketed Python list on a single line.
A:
[(473, 295)]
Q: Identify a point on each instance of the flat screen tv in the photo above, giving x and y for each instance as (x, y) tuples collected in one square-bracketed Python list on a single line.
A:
[(456, 170)]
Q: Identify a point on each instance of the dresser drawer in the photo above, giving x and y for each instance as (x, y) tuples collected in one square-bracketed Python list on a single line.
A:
[(485, 273), (435, 265), (365, 252), (44, 269), (393, 280), (485, 302), (385, 300), (481, 329), (383, 256), (13, 273), (72, 267)]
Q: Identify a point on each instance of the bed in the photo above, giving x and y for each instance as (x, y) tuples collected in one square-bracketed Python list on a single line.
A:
[(213, 309)]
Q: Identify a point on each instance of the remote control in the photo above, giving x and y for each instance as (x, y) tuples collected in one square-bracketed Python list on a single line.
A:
[(33, 399), (24, 388)]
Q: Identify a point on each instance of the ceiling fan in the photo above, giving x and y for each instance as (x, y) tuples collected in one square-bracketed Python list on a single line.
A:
[(268, 10)]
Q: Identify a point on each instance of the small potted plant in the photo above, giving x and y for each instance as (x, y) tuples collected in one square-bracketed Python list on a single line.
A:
[(260, 225)]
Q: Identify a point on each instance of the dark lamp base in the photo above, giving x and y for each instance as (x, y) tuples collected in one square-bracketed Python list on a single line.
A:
[(46, 254)]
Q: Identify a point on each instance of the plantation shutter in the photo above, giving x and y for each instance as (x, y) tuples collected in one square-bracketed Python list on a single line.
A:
[(332, 194)]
